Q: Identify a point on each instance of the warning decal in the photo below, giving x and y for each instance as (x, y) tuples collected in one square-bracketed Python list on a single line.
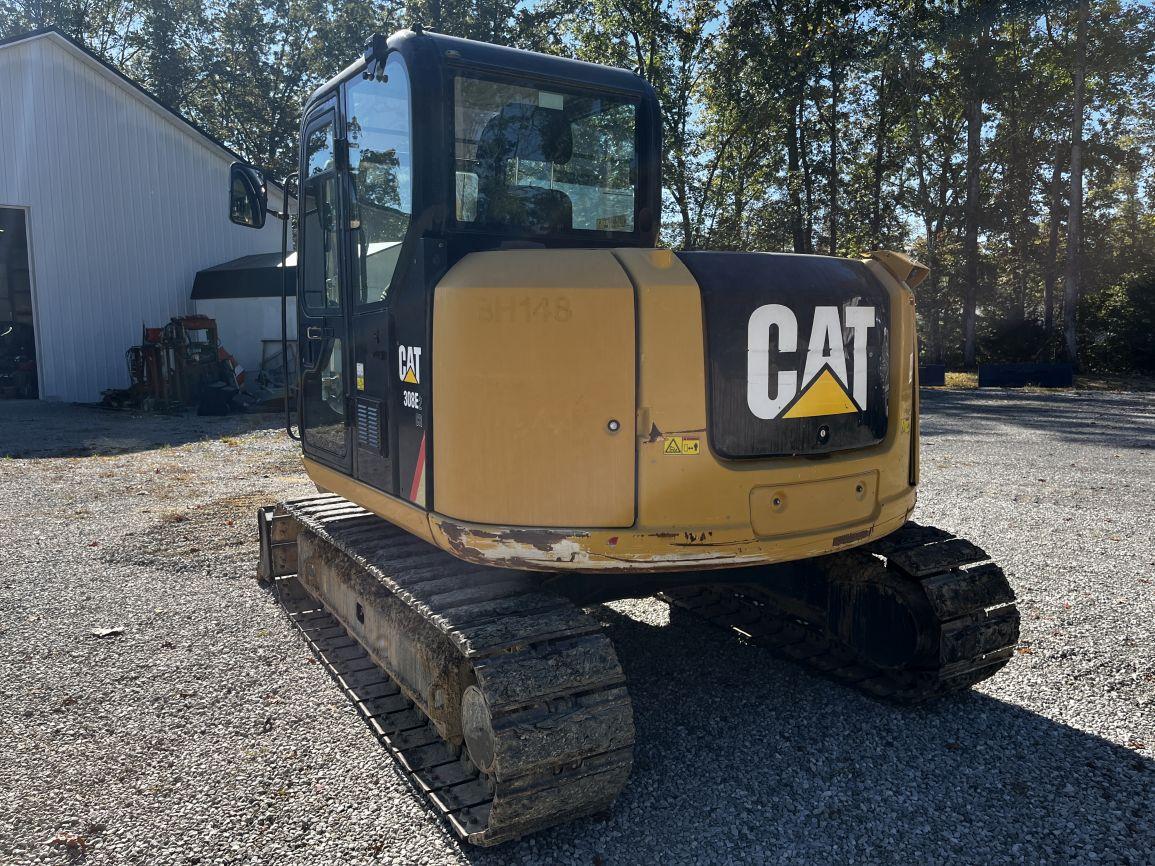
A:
[(687, 445)]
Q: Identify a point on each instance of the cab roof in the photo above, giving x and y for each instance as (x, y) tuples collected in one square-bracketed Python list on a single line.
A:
[(452, 51)]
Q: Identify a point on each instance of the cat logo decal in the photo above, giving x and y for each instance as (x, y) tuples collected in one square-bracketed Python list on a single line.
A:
[(409, 364), (830, 383)]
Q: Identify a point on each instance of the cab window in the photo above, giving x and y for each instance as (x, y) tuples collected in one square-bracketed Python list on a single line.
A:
[(532, 160), (321, 291), (380, 175)]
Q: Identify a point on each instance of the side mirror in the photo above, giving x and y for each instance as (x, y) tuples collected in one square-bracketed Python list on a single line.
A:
[(248, 196)]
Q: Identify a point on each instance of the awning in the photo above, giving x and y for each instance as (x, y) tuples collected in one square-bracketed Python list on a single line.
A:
[(256, 276)]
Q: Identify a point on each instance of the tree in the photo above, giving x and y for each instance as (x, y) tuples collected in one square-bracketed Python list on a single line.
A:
[(1075, 214), (665, 42), (1009, 146)]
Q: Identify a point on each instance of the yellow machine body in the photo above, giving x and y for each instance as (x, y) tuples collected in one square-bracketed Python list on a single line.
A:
[(571, 430)]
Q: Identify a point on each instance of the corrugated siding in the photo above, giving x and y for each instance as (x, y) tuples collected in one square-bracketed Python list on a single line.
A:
[(126, 205)]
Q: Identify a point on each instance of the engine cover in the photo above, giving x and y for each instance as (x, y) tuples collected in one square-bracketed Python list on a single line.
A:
[(798, 353)]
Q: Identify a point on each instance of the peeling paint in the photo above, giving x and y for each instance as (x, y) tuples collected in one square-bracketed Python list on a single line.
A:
[(701, 543), (599, 550), (542, 548)]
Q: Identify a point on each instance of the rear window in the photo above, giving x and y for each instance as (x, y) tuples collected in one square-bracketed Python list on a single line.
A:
[(536, 161)]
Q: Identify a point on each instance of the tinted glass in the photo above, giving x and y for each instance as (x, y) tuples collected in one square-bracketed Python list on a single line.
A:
[(319, 275), (380, 171), (319, 151), (537, 161), (323, 393)]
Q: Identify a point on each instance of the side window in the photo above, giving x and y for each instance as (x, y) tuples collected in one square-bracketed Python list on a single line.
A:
[(319, 150), (381, 176), (320, 286)]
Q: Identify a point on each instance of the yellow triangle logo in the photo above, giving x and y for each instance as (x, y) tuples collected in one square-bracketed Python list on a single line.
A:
[(410, 376), (825, 396)]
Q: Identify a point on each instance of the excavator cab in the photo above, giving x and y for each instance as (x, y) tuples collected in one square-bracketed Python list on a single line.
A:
[(428, 149)]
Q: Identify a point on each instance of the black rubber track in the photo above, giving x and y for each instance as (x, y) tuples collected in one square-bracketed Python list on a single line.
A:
[(561, 715), (969, 622)]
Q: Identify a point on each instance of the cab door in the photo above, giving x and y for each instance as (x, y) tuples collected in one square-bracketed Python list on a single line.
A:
[(322, 330), (386, 394)]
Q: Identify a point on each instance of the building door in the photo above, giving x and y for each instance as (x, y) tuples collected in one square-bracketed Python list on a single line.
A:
[(17, 336), (322, 331)]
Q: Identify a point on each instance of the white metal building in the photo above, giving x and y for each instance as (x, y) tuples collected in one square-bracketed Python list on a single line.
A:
[(121, 201)]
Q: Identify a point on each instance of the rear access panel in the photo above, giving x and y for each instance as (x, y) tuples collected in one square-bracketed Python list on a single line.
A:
[(798, 353), (534, 383), (785, 509)]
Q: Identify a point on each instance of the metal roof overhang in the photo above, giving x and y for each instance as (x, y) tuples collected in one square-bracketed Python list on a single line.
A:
[(256, 276)]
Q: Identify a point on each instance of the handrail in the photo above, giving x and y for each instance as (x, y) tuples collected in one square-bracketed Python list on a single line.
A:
[(284, 217)]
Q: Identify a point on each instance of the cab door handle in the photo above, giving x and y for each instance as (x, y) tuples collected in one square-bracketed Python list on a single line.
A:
[(313, 332)]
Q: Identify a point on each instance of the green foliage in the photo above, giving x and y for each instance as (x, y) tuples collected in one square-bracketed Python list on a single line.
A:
[(830, 126)]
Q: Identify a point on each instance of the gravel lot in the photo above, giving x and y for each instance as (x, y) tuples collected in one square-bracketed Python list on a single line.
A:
[(205, 733)]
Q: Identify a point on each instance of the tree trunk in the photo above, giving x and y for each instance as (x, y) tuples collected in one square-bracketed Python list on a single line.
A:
[(1075, 214), (879, 157), (1019, 180), (832, 172), (974, 116), (1017, 229), (1051, 273), (739, 211), (807, 183), (687, 225), (793, 180)]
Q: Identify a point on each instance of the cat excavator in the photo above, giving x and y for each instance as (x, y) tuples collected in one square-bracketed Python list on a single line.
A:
[(517, 407)]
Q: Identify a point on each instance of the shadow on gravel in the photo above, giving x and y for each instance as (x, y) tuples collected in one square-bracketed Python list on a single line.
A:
[(753, 758), (33, 429), (218, 537), (1121, 420)]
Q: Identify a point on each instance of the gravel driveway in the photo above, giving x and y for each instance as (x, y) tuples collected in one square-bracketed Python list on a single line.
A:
[(206, 733)]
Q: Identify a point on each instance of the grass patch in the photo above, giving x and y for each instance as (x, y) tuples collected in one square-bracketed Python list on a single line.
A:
[(962, 381)]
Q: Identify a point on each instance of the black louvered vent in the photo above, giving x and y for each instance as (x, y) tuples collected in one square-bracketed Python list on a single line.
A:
[(369, 425)]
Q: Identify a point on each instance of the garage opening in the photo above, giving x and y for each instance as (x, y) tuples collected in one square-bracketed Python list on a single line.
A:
[(17, 336)]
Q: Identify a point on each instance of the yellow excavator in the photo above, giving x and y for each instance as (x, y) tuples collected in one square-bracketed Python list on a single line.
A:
[(517, 407)]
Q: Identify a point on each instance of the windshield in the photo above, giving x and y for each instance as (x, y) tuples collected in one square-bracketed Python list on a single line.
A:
[(533, 161)]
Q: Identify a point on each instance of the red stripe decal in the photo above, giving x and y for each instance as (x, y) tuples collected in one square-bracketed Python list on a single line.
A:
[(417, 471)]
